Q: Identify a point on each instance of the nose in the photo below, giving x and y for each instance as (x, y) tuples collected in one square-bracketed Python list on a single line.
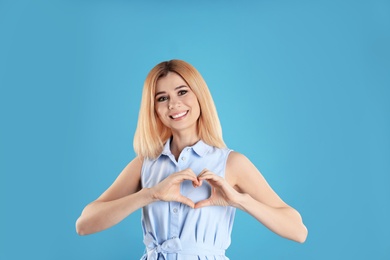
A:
[(173, 103)]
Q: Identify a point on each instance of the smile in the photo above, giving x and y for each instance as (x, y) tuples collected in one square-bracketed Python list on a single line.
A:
[(179, 115)]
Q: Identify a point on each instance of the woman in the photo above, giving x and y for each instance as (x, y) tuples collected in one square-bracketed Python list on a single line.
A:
[(186, 181)]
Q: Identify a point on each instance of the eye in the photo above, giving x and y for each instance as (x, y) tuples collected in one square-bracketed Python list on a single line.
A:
[(162, 98), (182, 92)]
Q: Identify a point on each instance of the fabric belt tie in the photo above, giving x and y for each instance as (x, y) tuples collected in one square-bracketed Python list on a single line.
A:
[(172, 245)]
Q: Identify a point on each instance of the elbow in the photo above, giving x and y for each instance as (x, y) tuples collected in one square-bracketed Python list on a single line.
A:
[(301, 235), (301, 232), (80, 227)]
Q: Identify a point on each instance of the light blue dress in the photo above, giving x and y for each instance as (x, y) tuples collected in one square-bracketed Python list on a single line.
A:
[(174, 231)]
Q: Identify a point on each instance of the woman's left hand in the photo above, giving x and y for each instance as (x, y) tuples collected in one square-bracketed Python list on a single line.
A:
[(222, 194)]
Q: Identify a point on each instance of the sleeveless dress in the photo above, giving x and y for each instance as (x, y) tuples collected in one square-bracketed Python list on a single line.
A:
[(174, 231)]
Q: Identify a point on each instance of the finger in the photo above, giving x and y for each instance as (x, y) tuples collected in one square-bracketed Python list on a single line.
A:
[(209, 176), (181, 178), (186, 201), (192, 176), (196, 183), (186, 175), (215, 181), (203, 175), (203, 203), (190, 173), (205, 170)]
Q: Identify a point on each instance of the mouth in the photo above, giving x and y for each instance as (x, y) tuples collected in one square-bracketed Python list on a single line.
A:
[(179, 115)]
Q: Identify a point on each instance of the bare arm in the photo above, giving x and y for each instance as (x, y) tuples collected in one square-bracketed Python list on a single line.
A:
[(121, 199), (125, 196), (245, 188)]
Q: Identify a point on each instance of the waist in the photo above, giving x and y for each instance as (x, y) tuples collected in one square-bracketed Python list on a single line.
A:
[(199, 249), (177, 246)]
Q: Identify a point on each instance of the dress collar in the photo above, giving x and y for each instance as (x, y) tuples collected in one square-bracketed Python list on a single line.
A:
[(200, 148)]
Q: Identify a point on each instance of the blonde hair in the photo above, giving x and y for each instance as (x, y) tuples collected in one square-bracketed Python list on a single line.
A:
[(151, 134)]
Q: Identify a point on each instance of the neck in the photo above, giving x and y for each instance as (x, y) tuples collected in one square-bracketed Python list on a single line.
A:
[(180, 141)]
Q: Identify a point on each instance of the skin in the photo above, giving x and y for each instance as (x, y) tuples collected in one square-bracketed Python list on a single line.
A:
[(243, 187)]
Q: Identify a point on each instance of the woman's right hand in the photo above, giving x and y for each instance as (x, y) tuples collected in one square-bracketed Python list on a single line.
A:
[(169, 188)]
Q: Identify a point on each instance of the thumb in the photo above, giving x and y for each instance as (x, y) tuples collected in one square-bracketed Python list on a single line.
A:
[(203, 203), (186, 201)]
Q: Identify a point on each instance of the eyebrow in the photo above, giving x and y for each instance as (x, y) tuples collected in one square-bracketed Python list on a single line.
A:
[(163, 92)]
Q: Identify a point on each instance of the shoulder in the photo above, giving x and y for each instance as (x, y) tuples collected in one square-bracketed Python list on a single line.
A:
[(236, 159), (138, 160), (237, 166), (132, 169), (237, 163), (134, 166)]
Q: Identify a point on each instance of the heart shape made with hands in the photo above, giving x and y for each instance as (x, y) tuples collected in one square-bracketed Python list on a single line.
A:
[(196, 193)]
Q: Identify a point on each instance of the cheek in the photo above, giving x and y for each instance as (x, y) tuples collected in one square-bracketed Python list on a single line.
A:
[(195, 105), (198, 109), (160, 111)]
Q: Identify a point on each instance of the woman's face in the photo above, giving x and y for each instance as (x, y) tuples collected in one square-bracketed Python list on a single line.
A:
[(176, 105)]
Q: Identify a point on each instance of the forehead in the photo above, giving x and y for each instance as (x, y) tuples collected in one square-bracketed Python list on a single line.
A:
[(170, 82)]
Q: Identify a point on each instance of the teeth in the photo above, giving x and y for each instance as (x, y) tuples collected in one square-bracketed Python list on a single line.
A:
[(179, 115)]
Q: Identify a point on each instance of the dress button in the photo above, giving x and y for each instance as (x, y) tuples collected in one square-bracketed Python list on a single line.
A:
[(183, 158), (175, 210)]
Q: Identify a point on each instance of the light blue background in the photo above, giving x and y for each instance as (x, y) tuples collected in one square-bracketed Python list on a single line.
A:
[(301, 87)]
